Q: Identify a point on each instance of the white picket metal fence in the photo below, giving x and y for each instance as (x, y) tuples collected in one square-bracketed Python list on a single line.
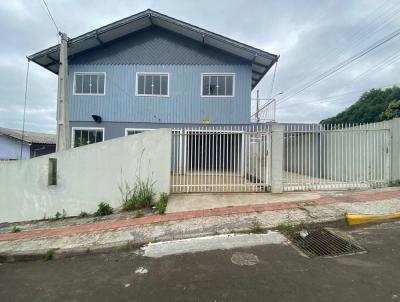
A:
[(333, 157), (221, 159)]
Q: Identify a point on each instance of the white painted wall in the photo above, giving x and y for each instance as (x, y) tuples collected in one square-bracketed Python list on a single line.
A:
[(10, 149), (86, 176)]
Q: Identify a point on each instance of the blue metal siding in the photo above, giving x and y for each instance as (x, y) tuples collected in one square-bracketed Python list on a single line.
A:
[(156, 46), (184, 105)]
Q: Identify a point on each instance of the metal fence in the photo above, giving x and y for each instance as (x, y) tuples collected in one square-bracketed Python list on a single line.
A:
[(221, 159), (334, 157)]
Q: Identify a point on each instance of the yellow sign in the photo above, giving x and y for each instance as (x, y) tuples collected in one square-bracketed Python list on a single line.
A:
[(206, 121)]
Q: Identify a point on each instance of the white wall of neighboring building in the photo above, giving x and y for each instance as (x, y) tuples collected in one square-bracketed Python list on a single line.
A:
[(86, 176), (10, 149)]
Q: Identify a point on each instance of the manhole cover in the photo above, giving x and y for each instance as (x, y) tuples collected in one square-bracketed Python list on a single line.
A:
[(324, 243), (244, 259)]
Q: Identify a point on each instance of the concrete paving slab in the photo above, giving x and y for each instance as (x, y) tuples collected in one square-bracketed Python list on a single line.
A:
[(199, 201), (209, 243)]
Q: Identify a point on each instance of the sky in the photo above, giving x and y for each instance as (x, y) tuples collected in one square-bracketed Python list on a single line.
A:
[(310, 36)]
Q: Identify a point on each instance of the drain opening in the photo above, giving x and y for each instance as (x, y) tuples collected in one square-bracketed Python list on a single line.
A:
[(322, 242)]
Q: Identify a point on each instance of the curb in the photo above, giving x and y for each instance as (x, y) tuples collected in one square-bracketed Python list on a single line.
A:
[(61, 253), (247, 209)]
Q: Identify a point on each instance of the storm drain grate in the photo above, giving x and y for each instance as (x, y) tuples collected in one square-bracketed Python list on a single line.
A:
[(322, 242)]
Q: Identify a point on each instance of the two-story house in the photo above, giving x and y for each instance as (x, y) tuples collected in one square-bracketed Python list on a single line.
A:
[(152, 71)]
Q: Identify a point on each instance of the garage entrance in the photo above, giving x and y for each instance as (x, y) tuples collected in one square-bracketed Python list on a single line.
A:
[(220, 160)]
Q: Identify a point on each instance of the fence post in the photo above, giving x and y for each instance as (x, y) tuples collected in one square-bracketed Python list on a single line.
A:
[(395, 150), (277, 157)]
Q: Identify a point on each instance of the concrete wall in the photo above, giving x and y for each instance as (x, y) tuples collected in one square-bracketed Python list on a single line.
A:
[(10, 149), (86, 176)]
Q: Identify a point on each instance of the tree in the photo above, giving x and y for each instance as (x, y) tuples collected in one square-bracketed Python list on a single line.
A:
[(368, 109), (392, 111)]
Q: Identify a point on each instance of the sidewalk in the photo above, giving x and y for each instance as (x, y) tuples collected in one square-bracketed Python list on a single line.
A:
[(107, 234)]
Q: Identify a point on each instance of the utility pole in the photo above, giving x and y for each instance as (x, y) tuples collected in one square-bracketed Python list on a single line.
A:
[(258, 107), (63, 135)]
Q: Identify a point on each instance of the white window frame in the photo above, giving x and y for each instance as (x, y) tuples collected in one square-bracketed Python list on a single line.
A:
[(89, 73), (151, 73), (84, 128), (136, 129), (218, 74)]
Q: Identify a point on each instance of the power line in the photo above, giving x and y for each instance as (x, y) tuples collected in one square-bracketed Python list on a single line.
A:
[(343, 64), (23, 119), (335, 98), (51, 16), (364, 33), (273, 80)]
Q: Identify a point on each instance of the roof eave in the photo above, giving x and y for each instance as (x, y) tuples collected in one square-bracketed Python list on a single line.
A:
[(48, 58)]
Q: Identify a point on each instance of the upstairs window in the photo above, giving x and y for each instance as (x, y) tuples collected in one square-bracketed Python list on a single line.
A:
[(86, 136), (218, 85), (152, 84), (89, 83)]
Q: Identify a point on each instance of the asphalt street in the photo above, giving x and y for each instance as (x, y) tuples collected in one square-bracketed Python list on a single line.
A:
[(273, 272)]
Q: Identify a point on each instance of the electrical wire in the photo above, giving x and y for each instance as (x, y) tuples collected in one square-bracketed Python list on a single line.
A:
[(273, 80), (24, 114), (343, 64), (51, 16)]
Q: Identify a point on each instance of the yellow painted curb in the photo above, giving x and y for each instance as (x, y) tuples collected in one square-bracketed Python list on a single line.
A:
[(362, 218)]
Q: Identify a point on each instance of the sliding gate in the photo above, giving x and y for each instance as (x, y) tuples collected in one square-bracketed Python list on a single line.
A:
[(221, 159)]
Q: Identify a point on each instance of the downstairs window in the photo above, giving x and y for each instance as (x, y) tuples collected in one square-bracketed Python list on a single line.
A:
[(86, 136)]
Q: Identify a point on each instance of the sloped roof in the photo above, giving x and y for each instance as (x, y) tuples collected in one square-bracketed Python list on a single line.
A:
[(29, 136), (261, 60)]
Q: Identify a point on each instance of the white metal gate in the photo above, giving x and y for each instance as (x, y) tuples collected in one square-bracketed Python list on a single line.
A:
[(221, 159), (335, 157)]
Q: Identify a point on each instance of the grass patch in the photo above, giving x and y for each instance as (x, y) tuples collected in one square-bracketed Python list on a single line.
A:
[(49, 255), (286, 228), (103, 209), (141, 196), (15, 229), (161, 205), (255, 226), (58, 216)]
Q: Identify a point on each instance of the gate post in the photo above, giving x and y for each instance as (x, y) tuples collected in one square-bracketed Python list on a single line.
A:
[(277, 132)]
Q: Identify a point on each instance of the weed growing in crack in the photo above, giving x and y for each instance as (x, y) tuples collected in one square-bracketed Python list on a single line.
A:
[(49, 255), (255, 226), (127, 247), (15, 229)]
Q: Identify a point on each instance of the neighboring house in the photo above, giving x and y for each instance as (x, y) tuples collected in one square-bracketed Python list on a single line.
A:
[(34, 144), (151, 71)]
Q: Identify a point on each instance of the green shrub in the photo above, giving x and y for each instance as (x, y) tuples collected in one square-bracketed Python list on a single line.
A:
[(139, 197), (161, 205), (103, 209), (15, 229), (83, 214)]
